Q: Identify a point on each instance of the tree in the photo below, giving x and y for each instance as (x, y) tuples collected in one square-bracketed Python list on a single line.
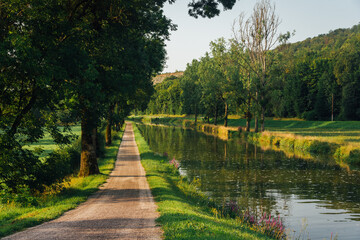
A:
[(32, 73), (210, 79), (230, 86), (208, 8), (258, 35), (347, 72), (191, 94)]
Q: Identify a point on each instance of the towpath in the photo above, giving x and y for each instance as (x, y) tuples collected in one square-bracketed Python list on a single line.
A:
[(122, 209)]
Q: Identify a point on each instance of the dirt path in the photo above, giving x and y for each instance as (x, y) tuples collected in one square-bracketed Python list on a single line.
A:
[(122, 209)]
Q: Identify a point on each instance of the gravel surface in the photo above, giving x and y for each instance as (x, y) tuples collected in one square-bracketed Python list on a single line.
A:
[(122, 209)]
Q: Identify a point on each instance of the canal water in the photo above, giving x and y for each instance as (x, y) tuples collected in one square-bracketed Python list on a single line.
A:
[(315, 198)]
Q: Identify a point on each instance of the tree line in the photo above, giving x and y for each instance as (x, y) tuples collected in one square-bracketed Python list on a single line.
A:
[(315, 79), (69, 61)]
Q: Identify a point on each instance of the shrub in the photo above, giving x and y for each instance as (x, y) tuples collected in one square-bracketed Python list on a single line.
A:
[(317, 147), (23, 173), (18, 167), (262, 222)]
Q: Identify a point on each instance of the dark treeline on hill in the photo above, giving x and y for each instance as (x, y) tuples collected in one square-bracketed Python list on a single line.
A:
[(316, 79), (65, 62)]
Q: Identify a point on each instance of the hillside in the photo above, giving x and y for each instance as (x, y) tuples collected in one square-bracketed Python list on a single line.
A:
[(324, 44), (159, 78)]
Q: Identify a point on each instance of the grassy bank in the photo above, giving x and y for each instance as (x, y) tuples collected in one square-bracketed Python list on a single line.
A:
[(184, 212), (54, 202), (340, 139)]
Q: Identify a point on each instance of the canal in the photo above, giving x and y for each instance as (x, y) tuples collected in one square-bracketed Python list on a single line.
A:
[(314, 197)]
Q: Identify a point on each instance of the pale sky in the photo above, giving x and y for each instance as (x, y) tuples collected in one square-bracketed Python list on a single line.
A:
[(308, 18)]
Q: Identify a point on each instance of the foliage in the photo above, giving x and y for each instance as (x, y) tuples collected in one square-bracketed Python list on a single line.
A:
[(38, 174), (262, 222)]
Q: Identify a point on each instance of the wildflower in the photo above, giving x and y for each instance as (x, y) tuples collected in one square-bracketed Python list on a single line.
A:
[(175, 163)]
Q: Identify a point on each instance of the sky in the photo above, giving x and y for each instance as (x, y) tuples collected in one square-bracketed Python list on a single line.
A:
[(308, 18)]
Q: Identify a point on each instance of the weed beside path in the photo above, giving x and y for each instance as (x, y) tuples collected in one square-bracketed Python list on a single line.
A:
[(183, 215)]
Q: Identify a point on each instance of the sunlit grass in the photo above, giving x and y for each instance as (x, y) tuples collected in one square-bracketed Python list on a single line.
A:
[(47, 143), (14, 218)]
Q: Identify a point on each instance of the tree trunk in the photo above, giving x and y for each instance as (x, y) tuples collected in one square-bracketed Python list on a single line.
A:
[(332, 107), (195, 114), (108, 133), (216, 113), (262, 119), (88, 162), (109, 125), (97, 143), (248, 115), (226, 115), (256, 128), (248, 119)]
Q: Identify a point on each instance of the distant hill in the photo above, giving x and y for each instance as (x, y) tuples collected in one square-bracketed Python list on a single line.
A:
[(324, 44), (159, 78)]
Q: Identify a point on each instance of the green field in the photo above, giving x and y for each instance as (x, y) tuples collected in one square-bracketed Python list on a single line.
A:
[(47, 143)]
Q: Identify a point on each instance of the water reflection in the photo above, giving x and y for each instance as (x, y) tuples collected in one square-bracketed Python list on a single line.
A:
[(317, 190)]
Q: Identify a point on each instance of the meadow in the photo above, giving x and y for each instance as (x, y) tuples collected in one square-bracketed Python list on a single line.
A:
[(48, 145)]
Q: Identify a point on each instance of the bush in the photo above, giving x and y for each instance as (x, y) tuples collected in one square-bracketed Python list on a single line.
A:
[(317, 147), (354, 157), (18, 167), (24, 197), (310, 116), (23, 173)]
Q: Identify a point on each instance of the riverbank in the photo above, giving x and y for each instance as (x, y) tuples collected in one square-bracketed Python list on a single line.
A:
[(306, 139), (54, 202), (184, 212)]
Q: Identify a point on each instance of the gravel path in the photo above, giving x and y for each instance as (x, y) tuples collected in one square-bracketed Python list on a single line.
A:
[(122, 209)]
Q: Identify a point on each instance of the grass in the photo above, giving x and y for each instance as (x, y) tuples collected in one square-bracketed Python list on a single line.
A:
[(184, 213), (14, 218), (47, 143), (340, 132)]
